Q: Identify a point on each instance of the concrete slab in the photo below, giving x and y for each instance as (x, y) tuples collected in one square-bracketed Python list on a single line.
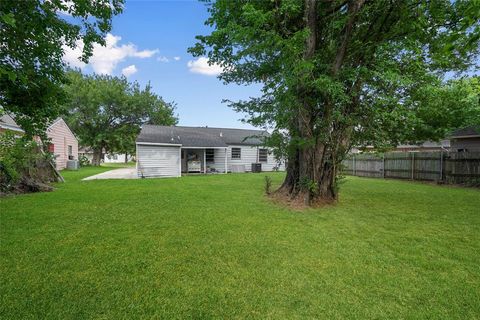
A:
[(123, 173)]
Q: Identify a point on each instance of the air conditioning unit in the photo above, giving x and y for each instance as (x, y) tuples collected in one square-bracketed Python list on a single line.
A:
[(73, 165), (256, 167)]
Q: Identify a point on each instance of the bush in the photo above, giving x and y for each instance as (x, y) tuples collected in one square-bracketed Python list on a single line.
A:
[(268, 185), (84, 161), (23, 167)]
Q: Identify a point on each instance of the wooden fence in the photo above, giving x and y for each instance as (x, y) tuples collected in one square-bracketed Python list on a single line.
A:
[(447, 167)]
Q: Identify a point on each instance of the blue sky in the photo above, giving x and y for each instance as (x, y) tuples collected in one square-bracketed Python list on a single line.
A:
[(149, 42)]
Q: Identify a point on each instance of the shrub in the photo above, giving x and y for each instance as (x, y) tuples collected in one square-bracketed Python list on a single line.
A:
[(23, 167), (84, 161), (268, 185)]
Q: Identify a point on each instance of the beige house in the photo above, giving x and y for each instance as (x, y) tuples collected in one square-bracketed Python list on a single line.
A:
[(63, 143)]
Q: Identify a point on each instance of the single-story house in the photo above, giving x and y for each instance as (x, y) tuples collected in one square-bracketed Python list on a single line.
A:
[(427, 146), (87, 152), (169, 151), (466, 139), (63, 143), (117, 158)]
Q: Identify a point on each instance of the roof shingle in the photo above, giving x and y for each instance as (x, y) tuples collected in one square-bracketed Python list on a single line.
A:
[(200, 136), (472, 131)]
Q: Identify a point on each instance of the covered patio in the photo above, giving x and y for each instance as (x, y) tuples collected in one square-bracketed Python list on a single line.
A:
[(195, 160)]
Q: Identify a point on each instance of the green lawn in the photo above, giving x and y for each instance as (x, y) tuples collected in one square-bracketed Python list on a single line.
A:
[(214, 247)]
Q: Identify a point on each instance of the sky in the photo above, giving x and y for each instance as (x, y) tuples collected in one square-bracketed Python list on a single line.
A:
[(148, 43)]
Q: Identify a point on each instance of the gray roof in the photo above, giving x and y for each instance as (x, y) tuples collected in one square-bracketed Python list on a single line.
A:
[(201, 136), (6, 121), (472, 131)]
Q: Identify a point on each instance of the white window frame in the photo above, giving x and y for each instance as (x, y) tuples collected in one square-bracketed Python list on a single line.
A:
[(260, 156), (239, 157)]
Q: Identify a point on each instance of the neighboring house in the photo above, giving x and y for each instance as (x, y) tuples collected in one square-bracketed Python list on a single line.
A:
[(428, 146), (63, 143), (116, 158), (8, 124), (168, 151), (87, 152), (466, 139)]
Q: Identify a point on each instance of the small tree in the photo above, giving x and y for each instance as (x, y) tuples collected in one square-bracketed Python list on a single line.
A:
[(107, 112)]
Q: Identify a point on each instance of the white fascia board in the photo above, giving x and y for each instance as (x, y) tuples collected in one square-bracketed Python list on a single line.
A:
[(158, 144), (183, 147), (12, 128)]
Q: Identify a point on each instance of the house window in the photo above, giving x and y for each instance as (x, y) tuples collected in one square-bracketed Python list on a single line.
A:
[(236, 153), (210, 155), (70, 150), (51, 147), (262, 155)]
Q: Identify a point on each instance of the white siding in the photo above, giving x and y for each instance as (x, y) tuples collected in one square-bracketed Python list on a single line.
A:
[(120, 158), (249, 155), (158, 161), (271, 163), (219, 161)]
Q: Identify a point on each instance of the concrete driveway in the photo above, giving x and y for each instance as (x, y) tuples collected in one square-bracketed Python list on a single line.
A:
[(123, 173)]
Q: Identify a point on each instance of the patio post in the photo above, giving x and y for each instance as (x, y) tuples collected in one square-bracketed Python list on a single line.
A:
[(226, 167)]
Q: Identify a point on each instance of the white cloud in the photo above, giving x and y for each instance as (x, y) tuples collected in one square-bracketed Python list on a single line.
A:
[(176, 58), (105, 58), (128, 71), (163, 59), (201, 66)]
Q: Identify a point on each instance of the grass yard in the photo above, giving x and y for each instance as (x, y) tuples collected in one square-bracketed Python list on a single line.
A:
[(214, 247)]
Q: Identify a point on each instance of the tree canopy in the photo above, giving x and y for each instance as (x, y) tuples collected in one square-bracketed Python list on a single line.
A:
[(106, 112), (340, 72), (32, 36)]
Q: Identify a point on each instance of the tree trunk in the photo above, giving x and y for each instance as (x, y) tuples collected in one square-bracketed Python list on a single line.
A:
[(313, 163), (312, 169), (97, 157), (126, 158)]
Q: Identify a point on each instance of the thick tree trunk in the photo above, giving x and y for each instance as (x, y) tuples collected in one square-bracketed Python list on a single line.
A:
[(97, 157), (126, 158), (311, 176), (313, 163), (312, 169)]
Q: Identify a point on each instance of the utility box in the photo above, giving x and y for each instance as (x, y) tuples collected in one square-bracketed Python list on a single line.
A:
[(256, 167), (73, 165)]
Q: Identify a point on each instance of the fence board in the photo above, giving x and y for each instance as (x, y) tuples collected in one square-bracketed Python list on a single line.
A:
[(449, 167)]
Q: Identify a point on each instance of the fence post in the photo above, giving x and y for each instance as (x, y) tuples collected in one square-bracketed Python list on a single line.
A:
[(413, 165), (441, 165), (383, 165), (354, 171)]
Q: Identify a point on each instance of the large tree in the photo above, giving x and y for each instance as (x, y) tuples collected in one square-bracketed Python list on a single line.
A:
[(32, 36), (337, 72), (107, 112)]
